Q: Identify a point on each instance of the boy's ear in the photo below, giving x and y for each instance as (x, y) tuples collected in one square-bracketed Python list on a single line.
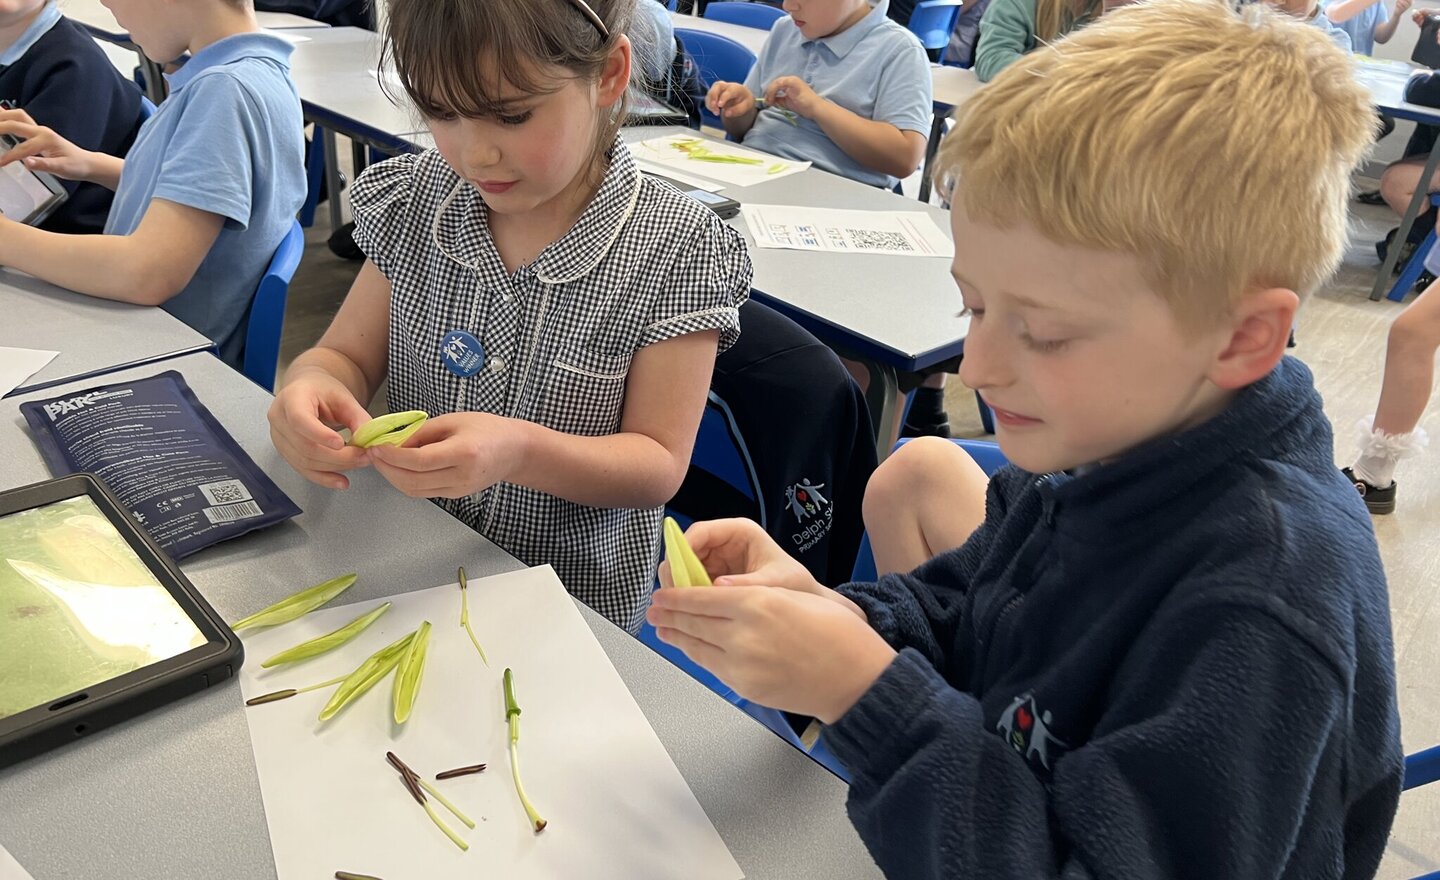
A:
[(1259, 333), (615, 75)]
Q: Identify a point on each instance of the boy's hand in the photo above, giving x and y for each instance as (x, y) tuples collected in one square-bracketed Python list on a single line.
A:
[(41, 149), (1401, 7), (728, 100), (793, 94), (1420, 15), (781, 648), (451, 456), (737, 552), (303, 419)]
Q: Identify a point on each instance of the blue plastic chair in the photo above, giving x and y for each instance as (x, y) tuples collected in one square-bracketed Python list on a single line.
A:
[(755, 15), (314, 177), (1411, 273), (721, 454), (719, 59), (933, 21), (267, 310)]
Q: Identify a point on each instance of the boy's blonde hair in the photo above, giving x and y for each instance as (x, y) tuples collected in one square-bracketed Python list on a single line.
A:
[(1215, 146)]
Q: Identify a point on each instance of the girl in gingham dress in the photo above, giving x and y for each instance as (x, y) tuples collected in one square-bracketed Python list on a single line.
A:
[(557, 314)]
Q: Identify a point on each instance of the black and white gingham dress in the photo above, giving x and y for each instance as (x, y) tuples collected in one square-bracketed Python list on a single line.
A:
[(641, 265)]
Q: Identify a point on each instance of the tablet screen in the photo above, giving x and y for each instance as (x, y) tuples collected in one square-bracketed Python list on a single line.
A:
[(21, 193), (77, 606)]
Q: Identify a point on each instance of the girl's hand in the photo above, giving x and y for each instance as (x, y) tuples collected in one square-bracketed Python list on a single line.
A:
[(303, 419), (793, 94), (728, 99), (781, 648), (453, 455), (41, 149), (1401, 7)]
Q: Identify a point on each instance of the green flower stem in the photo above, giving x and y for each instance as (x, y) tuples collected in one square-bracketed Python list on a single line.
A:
[(465, 615), (512, 717)]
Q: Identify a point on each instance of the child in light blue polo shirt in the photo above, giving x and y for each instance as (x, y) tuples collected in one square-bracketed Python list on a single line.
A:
[(206, 193), (844, 87), (1366, 21)]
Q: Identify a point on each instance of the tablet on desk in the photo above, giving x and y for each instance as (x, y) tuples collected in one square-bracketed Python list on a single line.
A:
[(96, 623), (27, 196)]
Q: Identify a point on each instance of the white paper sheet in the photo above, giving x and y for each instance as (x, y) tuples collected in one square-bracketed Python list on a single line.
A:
[(288, 36), (665, 150), (10, 869), (17, 365), (617, 806), (898, 233)]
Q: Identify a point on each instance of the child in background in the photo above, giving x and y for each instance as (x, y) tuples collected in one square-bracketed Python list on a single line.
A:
[(52, 69), (1394, 432), (1310, 11), (210, 186), (1366, 22), (555, 312), (844, 87), (1165, 650), (1011, 28)]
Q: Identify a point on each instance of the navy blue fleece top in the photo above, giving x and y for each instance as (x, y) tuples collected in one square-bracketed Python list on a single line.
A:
[(1176, 665)]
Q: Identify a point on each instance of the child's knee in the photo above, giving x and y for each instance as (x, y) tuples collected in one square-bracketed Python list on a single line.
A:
[(1416, 329), (903, 481)]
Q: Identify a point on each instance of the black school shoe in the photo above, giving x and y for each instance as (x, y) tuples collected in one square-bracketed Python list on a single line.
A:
[(1372, 197), (1377, 501)]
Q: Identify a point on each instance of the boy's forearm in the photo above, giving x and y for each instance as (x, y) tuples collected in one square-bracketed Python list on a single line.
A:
[(878, 146), (738, 126), (105, 170), (104, 266), (1386, 29)]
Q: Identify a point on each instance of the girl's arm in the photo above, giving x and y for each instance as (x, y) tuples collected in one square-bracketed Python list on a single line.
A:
[(1386, 29), (148, 267), (327, 387), (642, 465)]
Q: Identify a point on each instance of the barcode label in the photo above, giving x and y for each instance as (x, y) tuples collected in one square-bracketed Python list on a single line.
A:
[(225, 492), (232, 512)]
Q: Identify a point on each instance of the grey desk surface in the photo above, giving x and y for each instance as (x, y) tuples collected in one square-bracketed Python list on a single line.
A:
[(335, 73), (90, 334), (97, 18), (900, 310), (174, 793)]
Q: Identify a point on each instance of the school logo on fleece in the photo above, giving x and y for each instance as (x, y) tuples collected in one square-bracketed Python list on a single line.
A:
[(807, 502), (1027, 730)]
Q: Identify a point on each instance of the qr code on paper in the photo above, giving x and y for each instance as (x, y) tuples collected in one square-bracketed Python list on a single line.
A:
[(879, 240), (225, 492)]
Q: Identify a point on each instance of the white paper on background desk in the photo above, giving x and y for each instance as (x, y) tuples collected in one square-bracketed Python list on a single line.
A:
[(10, 869), (896, 233), (663, 151), (288, 35), (18, 364), (618, 807)]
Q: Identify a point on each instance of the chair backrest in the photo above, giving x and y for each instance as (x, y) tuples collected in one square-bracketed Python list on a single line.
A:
[(267, 310), (755, 15), (721, 481), (718, 58), (933, 21)]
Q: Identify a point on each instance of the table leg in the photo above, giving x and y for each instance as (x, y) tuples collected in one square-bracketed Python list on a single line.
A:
[(1382, 280), (937, 131), (332, 180), (885, 402)]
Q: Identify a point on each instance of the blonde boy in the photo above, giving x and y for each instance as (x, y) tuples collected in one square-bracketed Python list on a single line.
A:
[(1165, 652)]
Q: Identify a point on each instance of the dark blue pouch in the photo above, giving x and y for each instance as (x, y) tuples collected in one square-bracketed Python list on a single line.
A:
[(181, 475)]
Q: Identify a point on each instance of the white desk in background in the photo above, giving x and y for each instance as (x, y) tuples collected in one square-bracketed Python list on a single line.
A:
[(101, 24), (174, 795), (93, 336), (899, 314)]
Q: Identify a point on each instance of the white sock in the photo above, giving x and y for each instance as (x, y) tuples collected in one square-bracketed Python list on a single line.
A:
[(1380, 452)]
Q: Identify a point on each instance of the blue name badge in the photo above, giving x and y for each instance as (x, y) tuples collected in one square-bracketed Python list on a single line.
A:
[(461, 353)]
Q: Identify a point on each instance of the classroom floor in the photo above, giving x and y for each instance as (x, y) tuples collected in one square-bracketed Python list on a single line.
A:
[(1342, 337)]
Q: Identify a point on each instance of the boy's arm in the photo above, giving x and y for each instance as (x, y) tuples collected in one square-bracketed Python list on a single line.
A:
[(1217, 740), (1386, 29), (1344, 10), (1424, 88), (1007, 31), (879, 146), (147, 267)]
